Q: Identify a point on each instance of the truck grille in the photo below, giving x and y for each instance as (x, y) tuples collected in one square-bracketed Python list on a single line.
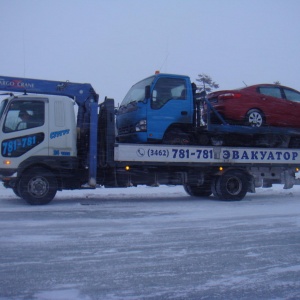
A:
[(126, 130)]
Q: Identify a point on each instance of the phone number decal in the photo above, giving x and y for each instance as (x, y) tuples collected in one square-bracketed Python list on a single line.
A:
[(180, 153), (18, 146), (154, 152), (207, 154)]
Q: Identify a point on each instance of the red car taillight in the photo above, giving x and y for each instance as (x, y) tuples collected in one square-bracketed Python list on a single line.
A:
[(229, 96)]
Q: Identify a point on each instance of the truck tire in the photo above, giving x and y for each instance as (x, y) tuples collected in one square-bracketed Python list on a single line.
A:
[(37, 186), (232, 185), (198, 191), (213, 187), (16, 191)]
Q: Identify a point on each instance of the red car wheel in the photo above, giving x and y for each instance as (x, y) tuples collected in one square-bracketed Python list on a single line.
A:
[(255, 118)]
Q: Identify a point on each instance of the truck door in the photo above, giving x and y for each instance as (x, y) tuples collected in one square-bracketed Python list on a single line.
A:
[(23, 131), (171, 103)]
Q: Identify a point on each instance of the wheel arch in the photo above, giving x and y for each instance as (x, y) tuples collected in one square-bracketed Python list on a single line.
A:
[(231, 169), (256, 108), (27, 165), (180, 127)]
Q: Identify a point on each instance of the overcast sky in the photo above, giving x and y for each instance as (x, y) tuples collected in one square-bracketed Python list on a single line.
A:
[(112, 44)]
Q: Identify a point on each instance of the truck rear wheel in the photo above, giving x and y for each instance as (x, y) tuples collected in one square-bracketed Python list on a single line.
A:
[(38, 186), (198, 191), (232, 185), (213, 187)]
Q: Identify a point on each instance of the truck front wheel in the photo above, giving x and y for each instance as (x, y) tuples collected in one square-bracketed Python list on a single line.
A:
[(232, 185), (37, 186)]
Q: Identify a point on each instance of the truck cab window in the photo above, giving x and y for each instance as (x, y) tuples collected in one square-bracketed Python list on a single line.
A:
[(24, 115), (168, 89)]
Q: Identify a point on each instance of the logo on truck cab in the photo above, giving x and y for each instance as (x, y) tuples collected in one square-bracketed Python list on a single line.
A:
[(56, 134)]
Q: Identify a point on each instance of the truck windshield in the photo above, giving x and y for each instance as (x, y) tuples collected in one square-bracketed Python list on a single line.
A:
[(2, 107), (137, 92)]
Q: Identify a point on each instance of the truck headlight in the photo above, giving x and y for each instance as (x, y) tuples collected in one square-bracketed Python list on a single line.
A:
[(141, 126)]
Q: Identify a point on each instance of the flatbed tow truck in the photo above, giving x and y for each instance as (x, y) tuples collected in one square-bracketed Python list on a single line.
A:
[(59, 151)]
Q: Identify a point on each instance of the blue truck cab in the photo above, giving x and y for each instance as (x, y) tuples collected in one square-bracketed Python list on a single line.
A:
[(155, 107)]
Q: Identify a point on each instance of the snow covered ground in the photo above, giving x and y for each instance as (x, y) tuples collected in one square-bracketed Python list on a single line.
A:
[(150, 243)]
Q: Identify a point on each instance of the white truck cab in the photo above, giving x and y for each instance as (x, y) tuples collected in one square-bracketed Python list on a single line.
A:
[(36, 126)]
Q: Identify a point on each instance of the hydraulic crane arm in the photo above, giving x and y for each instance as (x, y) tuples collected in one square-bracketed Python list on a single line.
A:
[(80, 92)]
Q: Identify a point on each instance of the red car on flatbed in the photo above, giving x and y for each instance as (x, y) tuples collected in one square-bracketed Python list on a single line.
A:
[(259, 105)]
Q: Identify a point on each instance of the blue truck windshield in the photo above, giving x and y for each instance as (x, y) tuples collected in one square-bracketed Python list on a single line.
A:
[(137, 92)]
